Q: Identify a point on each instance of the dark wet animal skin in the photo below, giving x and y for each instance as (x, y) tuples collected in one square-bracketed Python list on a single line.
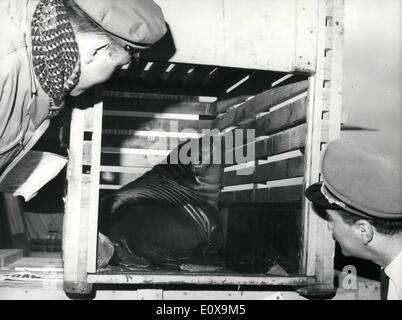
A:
[(169, 216)]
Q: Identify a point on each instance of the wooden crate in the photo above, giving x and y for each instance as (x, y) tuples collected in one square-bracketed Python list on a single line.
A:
[(8, 256), (294, 115)]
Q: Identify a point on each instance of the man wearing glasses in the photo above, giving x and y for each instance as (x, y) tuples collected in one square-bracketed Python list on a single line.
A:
[(53, 48)]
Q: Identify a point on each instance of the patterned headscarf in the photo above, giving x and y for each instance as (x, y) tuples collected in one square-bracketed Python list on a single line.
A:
[(56, 58)]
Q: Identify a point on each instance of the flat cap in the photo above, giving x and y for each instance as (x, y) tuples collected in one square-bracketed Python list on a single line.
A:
[(137, 23), (359, 180)]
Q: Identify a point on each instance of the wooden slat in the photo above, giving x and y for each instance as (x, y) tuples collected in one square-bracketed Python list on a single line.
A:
[(313, 224), (50, 265), (285, 141), (119, 169), (151, 134), (199, 279), (117, 178), (267, 195), (130, 160), (216, 78), (145, 95), (260, 103), (160, 143), (259, 81), (94, 186), (288, 140), (326, 247), (289, 168), (109, 187), (160, 105), (75, 228), (146, 124), (124, 151), (166, 89), (134, 71), (155, 73), (288, 79), (177, 74), (150, 115), (318, 255), (278, 120), (281, 80), (8, 256), (90, 185), (197, 77), (234, 79), (311, 174), (225, 103)]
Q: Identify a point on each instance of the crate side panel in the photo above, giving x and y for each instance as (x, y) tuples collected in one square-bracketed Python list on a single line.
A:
[(225, 41)]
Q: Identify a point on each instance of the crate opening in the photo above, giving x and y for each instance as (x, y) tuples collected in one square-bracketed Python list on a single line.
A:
[(151, 108)]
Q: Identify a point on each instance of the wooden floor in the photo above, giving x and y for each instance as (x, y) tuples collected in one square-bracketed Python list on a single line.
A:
[(42, 278)]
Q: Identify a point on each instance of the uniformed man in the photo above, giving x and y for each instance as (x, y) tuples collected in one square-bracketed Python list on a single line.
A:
[(361, 197), (53, 48)]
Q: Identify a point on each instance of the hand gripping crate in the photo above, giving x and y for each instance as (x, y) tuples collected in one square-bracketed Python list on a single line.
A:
[(280, 75)]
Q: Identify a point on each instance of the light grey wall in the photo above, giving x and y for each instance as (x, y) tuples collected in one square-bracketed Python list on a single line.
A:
[(373, 73)]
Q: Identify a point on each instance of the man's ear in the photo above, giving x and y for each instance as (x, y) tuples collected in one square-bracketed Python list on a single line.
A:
[(364, 231), (99, 48)]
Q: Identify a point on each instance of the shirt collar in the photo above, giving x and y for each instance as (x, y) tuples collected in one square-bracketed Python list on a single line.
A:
[(394, 269)]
